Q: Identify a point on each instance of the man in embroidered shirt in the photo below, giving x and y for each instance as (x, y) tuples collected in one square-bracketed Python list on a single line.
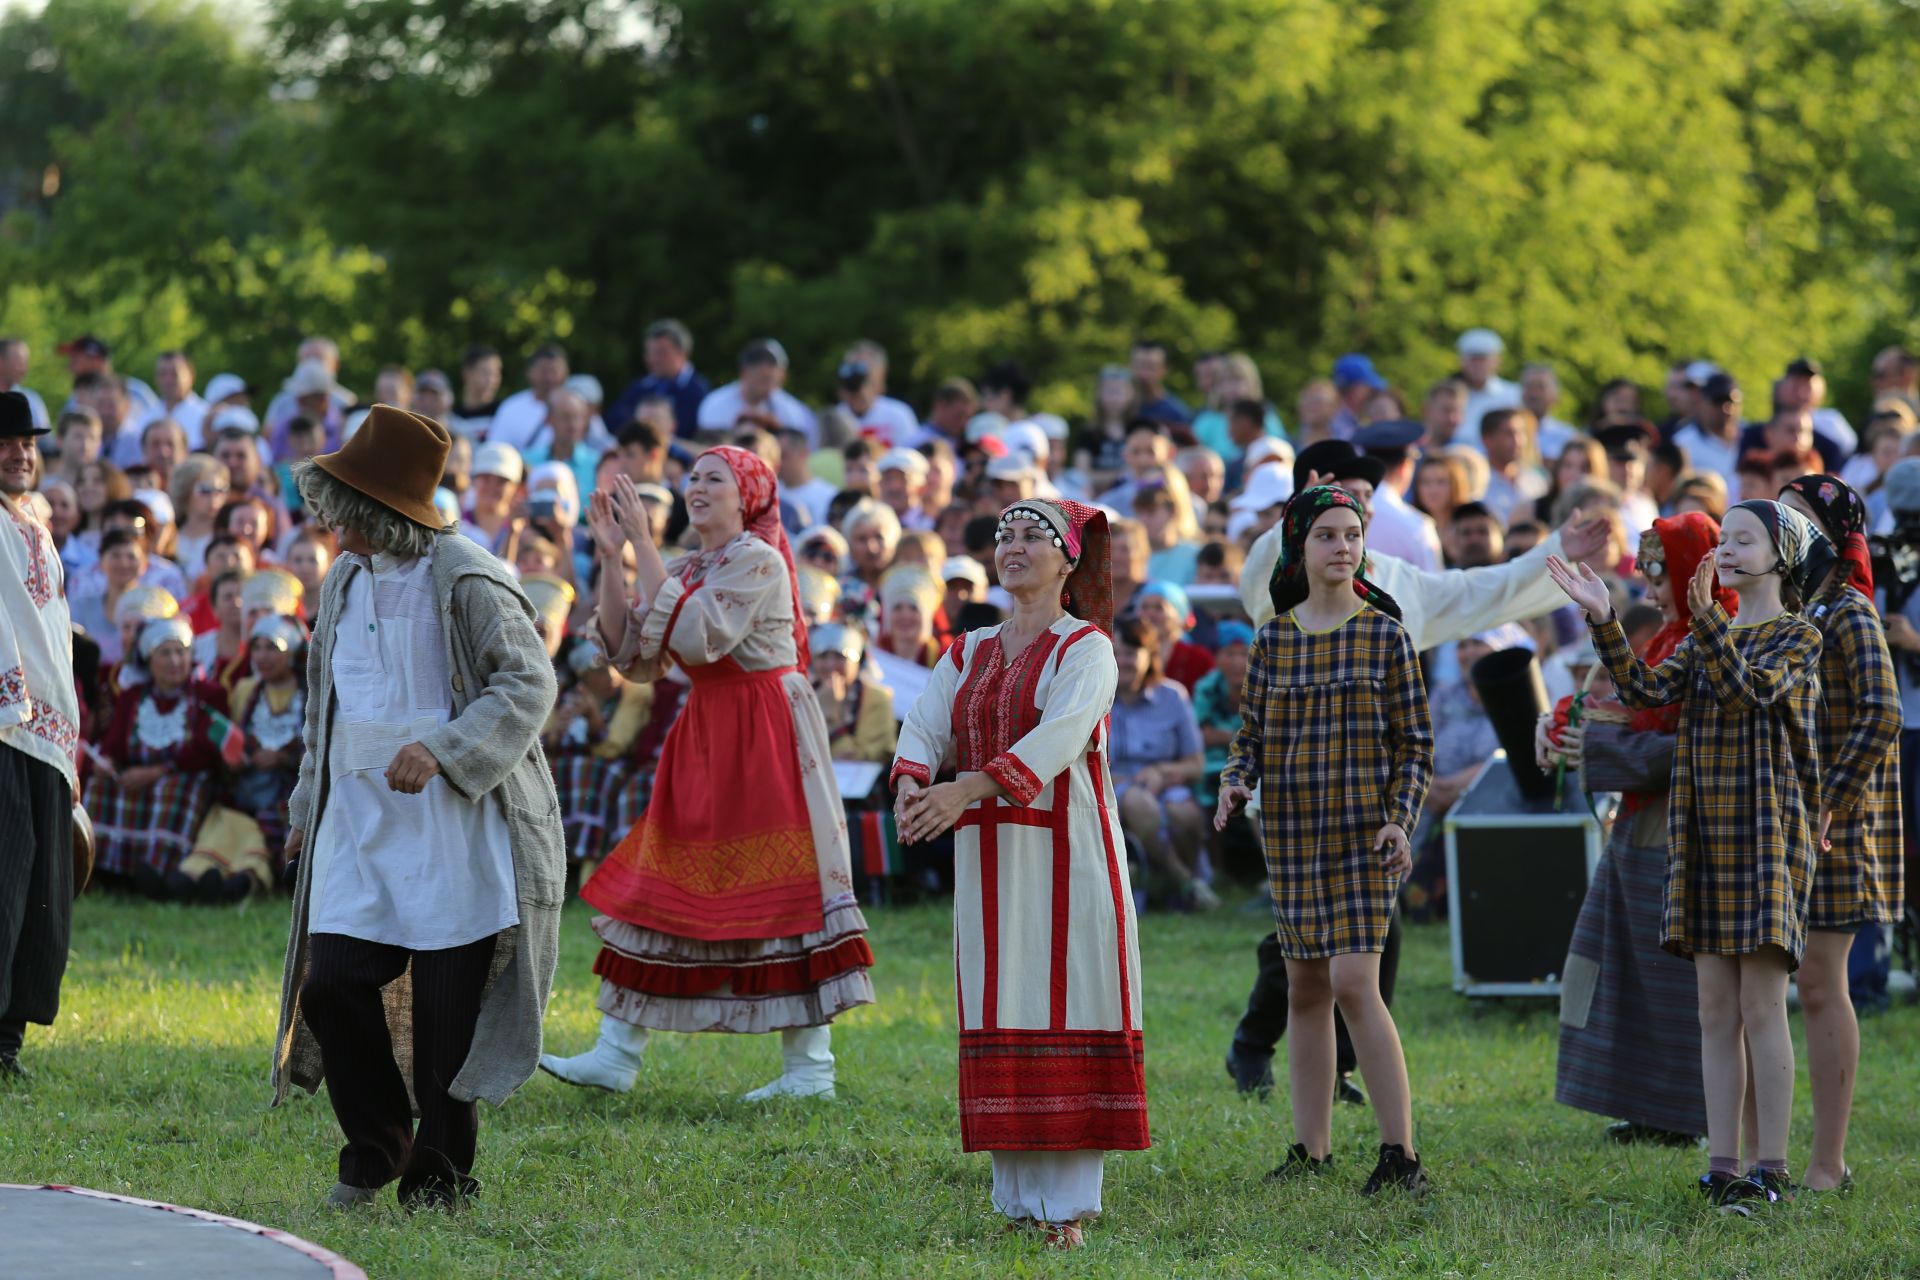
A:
[(39, 730), (426, 913)]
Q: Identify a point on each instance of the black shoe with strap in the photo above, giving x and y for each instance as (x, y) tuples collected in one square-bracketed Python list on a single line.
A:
[(1299, 1164), (1731, 1193), (1396, 1168)]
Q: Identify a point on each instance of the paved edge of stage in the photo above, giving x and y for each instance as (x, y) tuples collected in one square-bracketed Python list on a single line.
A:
[(338, 1266)]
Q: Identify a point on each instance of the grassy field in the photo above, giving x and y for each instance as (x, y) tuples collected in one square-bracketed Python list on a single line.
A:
[(154, 1084)]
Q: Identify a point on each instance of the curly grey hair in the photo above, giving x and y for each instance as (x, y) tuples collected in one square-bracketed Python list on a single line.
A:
[(341, 506)]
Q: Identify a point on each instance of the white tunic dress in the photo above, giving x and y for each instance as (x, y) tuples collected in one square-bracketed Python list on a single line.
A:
[(426, 872)]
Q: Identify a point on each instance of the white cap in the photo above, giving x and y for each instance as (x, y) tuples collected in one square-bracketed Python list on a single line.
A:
[(237, 415), (1015, 466), (447, 503), (1054, 425), (1268, 486), (964, 567), (909, 460), (1700, 370), (1030, 438), (1239, 522), (156, 501), (1480, 342), (588, 388), (1269, 447), (222, 385), (499, 458), (310, 378), (981, 425)]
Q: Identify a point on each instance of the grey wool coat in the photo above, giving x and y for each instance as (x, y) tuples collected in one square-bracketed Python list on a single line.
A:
[(503, 690)]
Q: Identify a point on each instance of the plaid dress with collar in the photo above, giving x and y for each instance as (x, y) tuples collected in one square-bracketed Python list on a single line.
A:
[(1746, 778), (1860, 879), (1335, 724)]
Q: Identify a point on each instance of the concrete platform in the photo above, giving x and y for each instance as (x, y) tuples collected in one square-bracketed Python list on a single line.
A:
[(71, 1233)]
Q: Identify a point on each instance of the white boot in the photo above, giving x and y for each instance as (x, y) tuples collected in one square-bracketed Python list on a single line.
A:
[(612, 1062), (808, 1063)]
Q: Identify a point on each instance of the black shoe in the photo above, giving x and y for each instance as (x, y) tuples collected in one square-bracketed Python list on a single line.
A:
[(1251, 1072), (148, 882), (1730, 1193), (1396, 1168), (1778, 1186), (1345, 1090), (1627, 1134), (1298, 1164)]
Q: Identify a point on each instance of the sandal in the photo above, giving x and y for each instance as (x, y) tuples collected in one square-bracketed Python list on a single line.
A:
[(1063, 1235)]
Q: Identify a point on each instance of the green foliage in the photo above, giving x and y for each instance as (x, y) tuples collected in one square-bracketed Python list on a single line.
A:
[(153, 1084), (1610, 183)]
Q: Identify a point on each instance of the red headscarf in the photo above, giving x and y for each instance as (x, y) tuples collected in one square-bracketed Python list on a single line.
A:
[(1687, 539), (1082, 536), (760, 516)]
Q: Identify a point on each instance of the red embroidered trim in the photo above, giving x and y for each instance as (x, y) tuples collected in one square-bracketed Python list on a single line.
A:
[(39, 576), (1018, 781), (1052, 1091), (13, 687), (1096, 770), (909, 769), (776, 977), (995, 706)]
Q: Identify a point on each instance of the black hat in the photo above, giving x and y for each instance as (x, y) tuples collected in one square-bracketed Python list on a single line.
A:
[(1340, 460), (1803, 367), (16, 416), (1390, 440), (85, 345), (1626, 439), (1719, 389)]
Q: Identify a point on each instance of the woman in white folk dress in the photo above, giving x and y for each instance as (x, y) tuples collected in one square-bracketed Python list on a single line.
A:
[(1047, 964)]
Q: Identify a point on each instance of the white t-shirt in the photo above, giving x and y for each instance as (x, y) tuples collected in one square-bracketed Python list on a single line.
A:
[(1711, 453), (519, 417), (891, 423), (813, 497), (1497, 394), (723, 406), (1401, 531), (190, 413)]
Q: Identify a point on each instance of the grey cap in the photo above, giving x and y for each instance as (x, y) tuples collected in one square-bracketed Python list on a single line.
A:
[(1903, 486)]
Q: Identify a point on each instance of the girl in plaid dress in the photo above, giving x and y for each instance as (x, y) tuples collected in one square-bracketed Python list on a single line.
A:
[(148, 805), (1740, 821), (1335, 715), (1858, 877)]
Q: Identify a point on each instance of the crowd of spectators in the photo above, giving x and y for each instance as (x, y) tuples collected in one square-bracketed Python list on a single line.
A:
[(171, 502)]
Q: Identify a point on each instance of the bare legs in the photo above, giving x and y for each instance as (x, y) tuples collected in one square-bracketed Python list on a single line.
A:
[(1743, 1007), (1833, 1052), (1352, 981)]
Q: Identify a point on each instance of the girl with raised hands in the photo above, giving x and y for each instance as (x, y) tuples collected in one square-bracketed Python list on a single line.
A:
[(1741, 824)]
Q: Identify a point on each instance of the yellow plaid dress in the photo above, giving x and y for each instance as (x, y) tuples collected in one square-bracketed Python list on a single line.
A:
[(1860, 880), (1746, 778), (1336, 724)]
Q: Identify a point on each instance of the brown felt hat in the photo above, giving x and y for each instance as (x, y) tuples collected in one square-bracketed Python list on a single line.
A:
[(396, 458)]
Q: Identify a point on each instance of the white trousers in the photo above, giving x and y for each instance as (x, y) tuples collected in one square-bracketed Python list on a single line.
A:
[(1048, 1186)]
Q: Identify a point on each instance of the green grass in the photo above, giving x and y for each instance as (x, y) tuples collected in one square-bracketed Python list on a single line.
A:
[(154, 1084)]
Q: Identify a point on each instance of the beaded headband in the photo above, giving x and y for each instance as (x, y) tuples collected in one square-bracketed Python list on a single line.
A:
[(1040, 515)]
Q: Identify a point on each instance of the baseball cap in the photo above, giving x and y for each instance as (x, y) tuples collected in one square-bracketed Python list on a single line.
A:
[(982, 425), (1700, 370), (85, 345), (1390, 437), (1268, 447), (965, 568), (1015, 466), (764, 351), (1266, 487), (1719, 388), (587, 387), (1030, 438), (436, 380), (1480, 342), (222, 385), (1803, 367), (909, 460), (499, 459), (1356, 368)]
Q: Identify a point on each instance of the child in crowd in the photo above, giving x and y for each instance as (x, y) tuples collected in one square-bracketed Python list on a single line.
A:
[(272, 705), (589, 739), (1741, 829), (1335, 727), (305, 439)]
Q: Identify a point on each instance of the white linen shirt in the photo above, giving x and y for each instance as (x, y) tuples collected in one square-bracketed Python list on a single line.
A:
[(426, 872)]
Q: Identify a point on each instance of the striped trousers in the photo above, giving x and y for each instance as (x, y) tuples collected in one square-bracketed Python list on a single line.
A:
[(36, 892)]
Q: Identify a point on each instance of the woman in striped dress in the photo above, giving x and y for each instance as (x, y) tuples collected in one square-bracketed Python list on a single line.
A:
[(1335, 718), (1858, 878), (1046, 957), (1741, 828)]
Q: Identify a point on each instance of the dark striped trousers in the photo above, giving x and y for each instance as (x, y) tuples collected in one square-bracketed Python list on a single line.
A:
[(36, 892), (341, 1003)]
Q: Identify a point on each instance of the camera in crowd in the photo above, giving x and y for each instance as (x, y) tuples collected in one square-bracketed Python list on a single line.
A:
[(852, 375)]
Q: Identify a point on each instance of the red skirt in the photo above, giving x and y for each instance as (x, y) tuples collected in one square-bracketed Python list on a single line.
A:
[(725, 848)]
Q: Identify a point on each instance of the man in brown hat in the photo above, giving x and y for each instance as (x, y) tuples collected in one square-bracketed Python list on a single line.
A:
[(427, 905), (39, 730)]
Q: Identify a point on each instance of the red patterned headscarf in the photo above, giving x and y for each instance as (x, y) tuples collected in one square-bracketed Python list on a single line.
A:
[(760, 516), (1081, 534), (1684, 541)]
